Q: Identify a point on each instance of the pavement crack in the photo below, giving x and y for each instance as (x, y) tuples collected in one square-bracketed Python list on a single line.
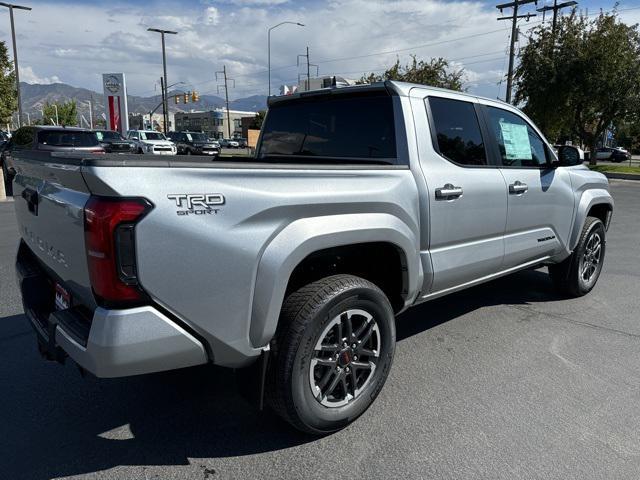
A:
[(529, 310)]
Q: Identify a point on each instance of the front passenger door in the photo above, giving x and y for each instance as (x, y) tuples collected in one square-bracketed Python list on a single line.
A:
[(540, 198)]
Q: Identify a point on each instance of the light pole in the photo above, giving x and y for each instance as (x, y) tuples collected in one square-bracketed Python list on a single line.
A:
[(10, 6), (57, 119), (269, 48), (165, 106)]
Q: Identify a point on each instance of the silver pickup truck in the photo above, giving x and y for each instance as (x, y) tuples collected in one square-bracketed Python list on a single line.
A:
[(360, 202)]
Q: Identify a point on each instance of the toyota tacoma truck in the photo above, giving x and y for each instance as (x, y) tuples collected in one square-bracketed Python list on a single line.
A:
[(360, 202)]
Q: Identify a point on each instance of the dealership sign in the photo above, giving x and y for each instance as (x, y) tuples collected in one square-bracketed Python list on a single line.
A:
[(115, 101)]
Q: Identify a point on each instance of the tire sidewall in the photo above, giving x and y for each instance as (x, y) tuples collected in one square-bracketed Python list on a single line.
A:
[(315, 416), (596, 226)]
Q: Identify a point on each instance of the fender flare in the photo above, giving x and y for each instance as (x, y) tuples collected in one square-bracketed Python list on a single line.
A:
[(307, 235), (590, 198)]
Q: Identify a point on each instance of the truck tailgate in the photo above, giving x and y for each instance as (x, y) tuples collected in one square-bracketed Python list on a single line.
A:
[(49, 202)]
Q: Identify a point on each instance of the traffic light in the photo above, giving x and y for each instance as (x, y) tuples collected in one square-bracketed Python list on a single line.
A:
[(186, 97), (177, 99), (195, 97)]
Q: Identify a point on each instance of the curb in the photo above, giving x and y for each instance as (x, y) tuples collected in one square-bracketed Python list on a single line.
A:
[(621, 176)]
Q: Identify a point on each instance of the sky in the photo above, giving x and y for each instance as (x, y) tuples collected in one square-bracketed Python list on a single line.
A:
[(75, 42)]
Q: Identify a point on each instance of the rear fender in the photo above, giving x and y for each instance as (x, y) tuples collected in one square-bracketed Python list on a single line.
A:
[(305, 236)]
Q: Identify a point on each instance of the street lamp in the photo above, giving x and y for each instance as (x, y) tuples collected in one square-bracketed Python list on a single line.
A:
[(165, 107), (269, 47), (10, 6)]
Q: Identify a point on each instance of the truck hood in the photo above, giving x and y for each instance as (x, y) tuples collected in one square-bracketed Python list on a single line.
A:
[(156, 142)]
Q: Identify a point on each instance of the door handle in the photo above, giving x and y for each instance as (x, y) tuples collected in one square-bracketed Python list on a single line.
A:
[(448, 191), (518, 187)]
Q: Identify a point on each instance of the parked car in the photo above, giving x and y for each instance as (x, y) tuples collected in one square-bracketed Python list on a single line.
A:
[(360, 202), (46, 139), (242, 142), (194, 143), (113, 142), (229, 143), (614, 154), (151, 142)]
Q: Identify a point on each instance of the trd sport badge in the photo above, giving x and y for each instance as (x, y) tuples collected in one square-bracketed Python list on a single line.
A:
[(197, 203)]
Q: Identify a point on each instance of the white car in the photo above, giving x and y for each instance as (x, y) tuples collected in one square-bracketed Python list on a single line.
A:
[(151, 142)]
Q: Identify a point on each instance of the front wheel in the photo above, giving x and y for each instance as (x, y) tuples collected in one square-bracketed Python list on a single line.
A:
[(578, 274), (332, 353)]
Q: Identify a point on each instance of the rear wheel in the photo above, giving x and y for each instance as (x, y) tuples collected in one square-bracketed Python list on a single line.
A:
[(578, 274), (332, 353)]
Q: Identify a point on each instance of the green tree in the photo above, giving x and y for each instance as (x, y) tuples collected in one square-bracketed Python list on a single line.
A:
[(581, 80), (67, 113), (258, 120), (436, 73), (8, 97)]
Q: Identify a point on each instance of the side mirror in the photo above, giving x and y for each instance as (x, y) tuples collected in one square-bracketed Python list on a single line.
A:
[(568, 156)]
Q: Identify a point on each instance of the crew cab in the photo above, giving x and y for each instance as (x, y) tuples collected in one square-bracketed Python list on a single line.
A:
[(151, 142), (360, 202)]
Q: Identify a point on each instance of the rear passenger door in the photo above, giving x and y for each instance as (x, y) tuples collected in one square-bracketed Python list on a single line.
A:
[(467, 201), (540, 198)]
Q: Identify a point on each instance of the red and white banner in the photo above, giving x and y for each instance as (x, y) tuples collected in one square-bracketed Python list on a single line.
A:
[(115, 94)]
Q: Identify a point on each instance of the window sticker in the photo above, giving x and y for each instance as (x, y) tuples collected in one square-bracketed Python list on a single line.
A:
[(189, 137), (516, 141)]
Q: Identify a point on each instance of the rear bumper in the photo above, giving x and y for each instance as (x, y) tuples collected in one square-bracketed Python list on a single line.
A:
[(131, 342), (107, 343)]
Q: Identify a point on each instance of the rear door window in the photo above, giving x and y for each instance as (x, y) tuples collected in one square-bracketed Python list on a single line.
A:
[(23, 138), (330, 129), (67, 138), (457, 131)]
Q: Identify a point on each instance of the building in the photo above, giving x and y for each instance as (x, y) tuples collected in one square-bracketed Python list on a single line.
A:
[(213, 122), (138, 121)]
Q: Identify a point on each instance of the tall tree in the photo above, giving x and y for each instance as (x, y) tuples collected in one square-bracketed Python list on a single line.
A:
[(583, 79), (8, 94), (436, 73), (67, 113)]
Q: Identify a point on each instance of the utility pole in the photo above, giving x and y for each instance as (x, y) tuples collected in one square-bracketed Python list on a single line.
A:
[(15, 54), (309, 65), (91, 112), (514, 36), (556, 7), (226, 94), (165, 106)]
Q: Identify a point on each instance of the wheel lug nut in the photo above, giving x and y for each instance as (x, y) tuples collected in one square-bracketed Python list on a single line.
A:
[(348, 369), (354, 345), (355, 357)]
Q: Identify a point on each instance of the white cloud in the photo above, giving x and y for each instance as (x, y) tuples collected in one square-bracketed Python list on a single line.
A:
[(29, 76), (345, 37)]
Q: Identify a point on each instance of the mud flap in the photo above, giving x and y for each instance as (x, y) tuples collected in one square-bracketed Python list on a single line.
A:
[(251, 380)]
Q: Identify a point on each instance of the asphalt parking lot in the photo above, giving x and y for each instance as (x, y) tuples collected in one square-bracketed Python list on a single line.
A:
[(503, 381)]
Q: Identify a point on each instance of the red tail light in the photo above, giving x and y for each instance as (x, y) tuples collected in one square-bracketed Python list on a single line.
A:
[(110, 243)]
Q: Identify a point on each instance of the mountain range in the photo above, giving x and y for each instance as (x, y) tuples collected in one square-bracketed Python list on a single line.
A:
[(34, 96)]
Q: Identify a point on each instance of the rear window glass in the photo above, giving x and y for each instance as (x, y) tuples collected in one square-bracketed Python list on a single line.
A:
[(67, 138), (457, 131), (339, 127)]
